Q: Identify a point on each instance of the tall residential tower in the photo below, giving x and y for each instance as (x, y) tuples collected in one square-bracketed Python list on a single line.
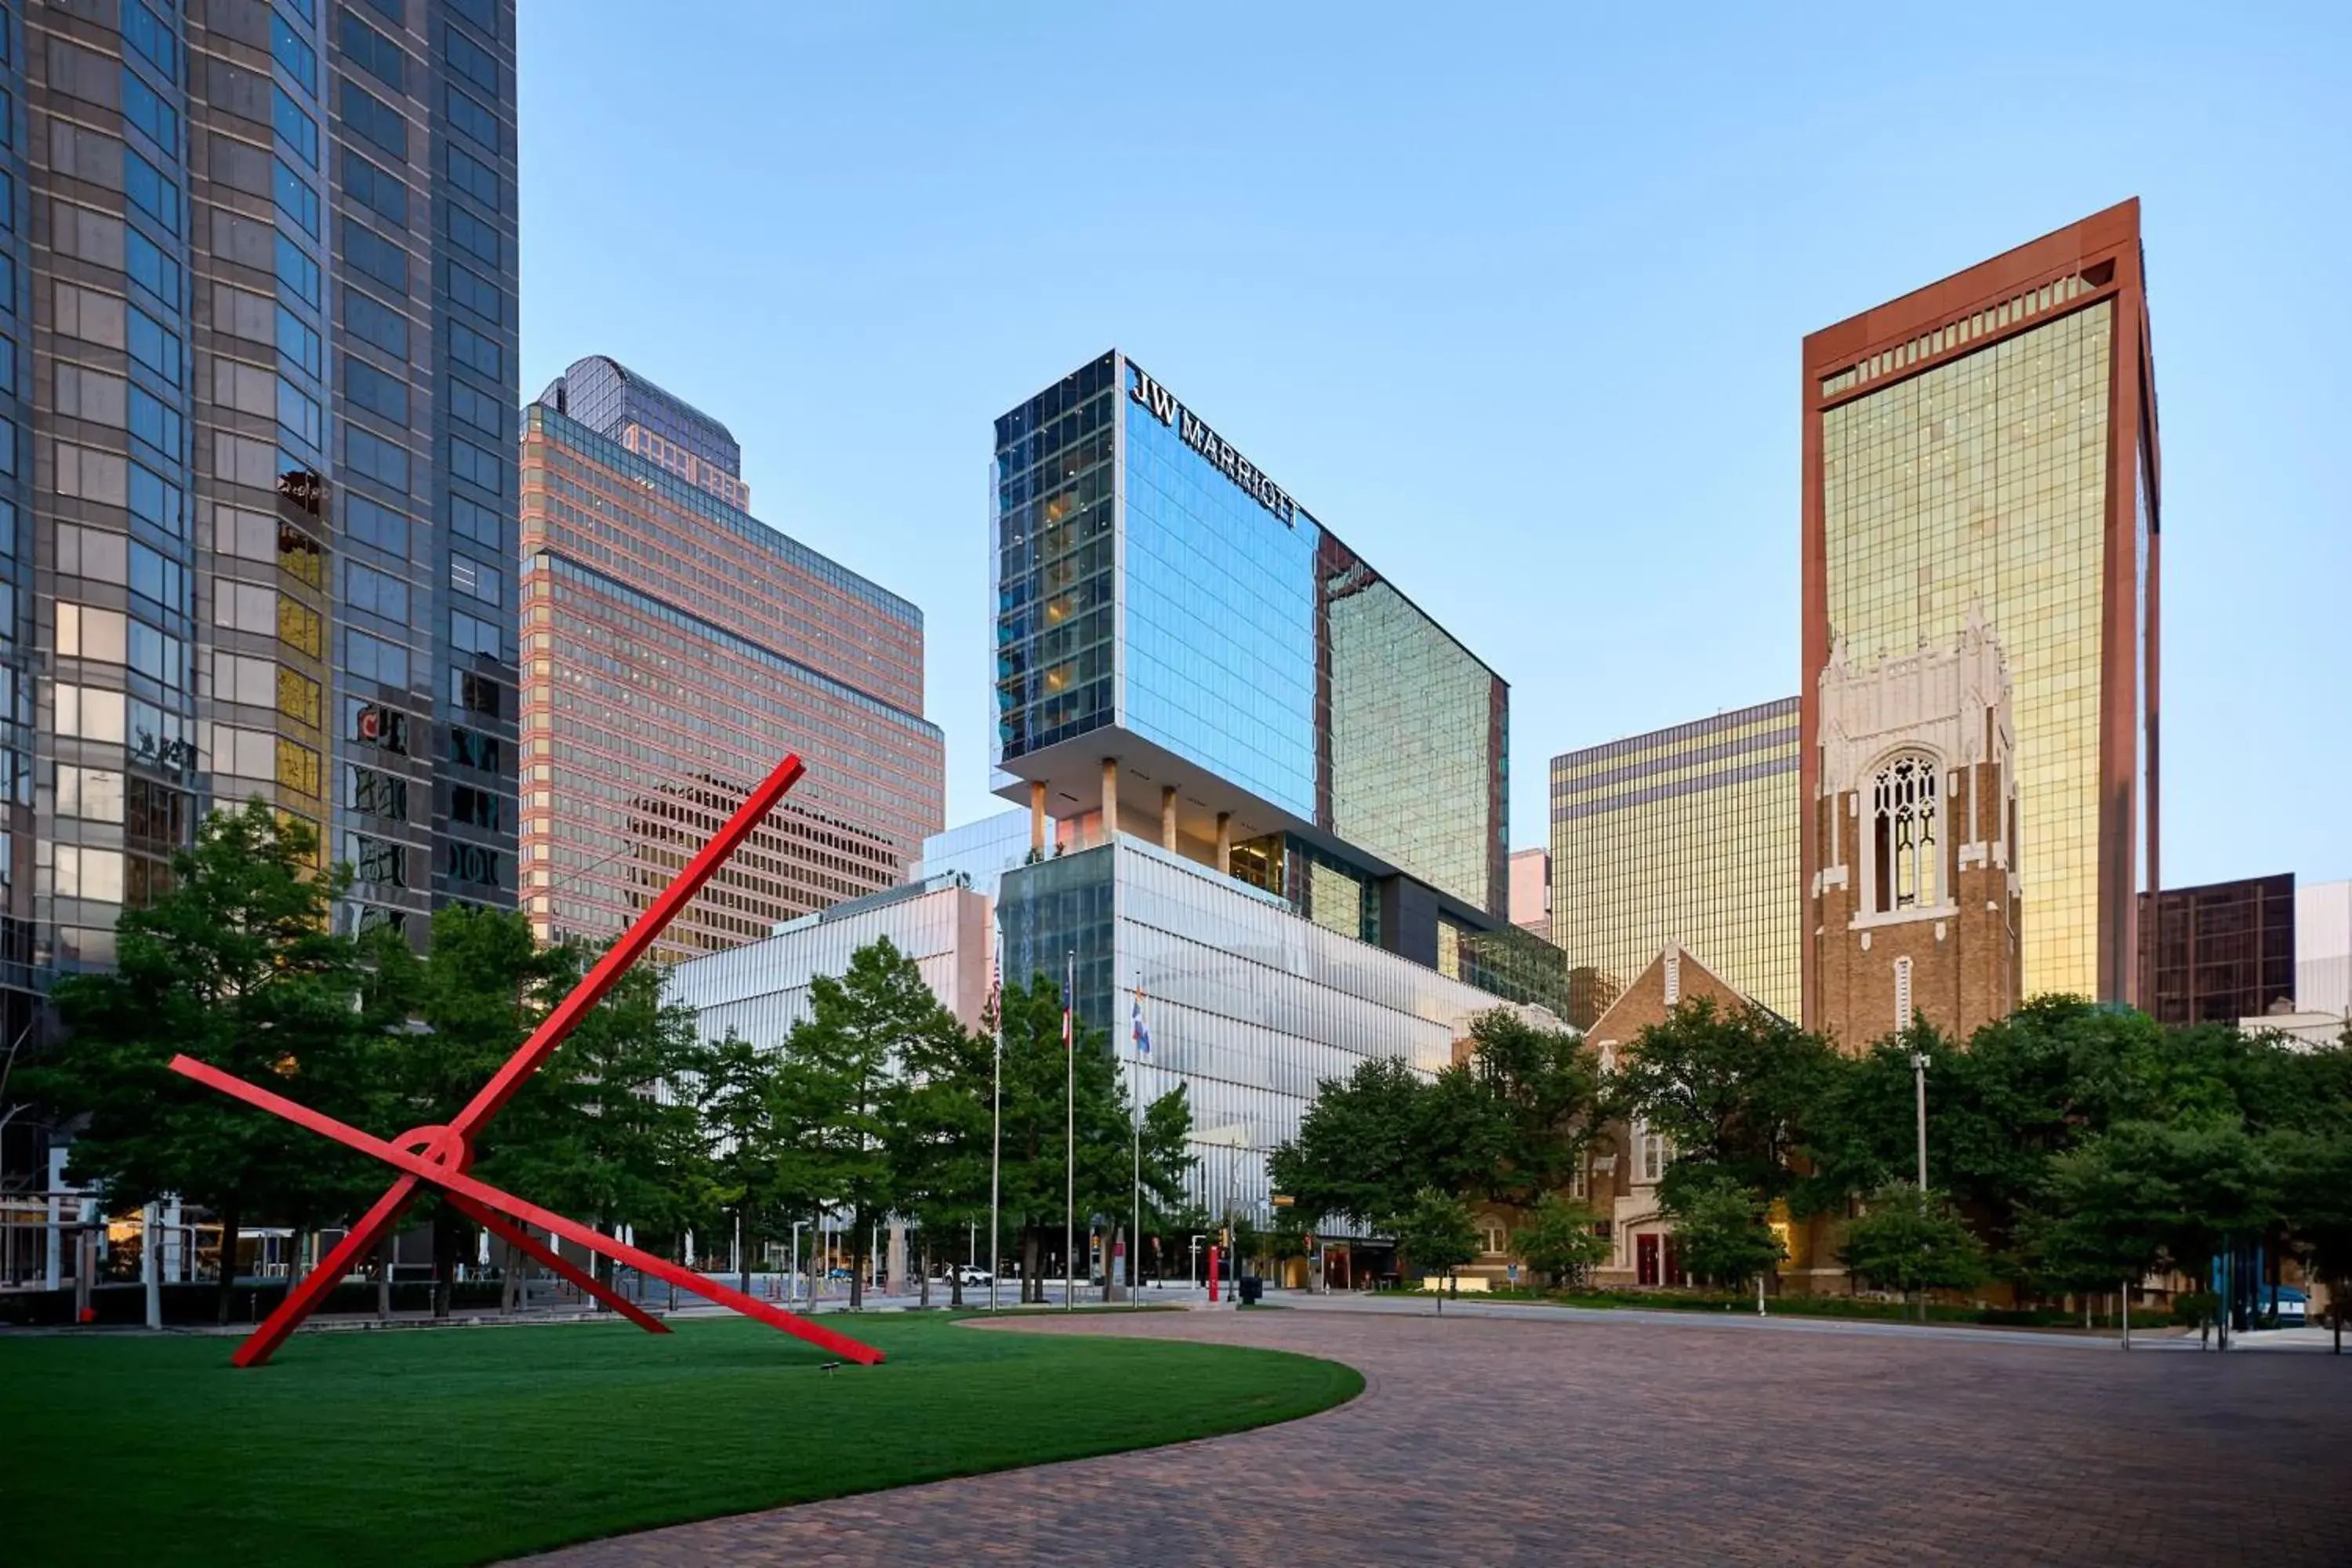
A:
[(1987, 446)]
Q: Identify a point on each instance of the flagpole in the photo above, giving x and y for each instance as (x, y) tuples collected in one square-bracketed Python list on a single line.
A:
[(996, 1134), (1135, 1126), (1070, 1135)]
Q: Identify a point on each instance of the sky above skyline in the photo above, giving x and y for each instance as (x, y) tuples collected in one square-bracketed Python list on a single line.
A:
[(1513, 302)]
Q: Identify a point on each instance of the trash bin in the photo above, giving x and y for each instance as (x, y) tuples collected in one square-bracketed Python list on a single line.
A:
[(1252, 1289)]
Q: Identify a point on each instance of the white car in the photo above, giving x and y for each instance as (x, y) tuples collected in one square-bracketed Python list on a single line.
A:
[(970, 1276)]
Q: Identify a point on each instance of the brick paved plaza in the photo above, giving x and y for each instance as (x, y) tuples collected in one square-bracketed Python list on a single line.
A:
[(1492, 1441)]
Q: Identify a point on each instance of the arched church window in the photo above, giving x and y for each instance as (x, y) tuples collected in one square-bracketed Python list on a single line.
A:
[(1904, 834)]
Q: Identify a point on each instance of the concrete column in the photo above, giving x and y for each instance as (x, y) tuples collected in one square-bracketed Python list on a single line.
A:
[(1225, 843), (1109, 797), (1168, 817), (1037, 816)]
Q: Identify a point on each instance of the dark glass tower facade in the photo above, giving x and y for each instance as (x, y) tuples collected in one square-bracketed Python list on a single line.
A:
[(260, 401), (1162, 599), (2219, 953)]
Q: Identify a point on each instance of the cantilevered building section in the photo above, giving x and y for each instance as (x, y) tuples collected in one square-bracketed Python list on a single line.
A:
[(674, 648), (1987, 446), (1687, 835)]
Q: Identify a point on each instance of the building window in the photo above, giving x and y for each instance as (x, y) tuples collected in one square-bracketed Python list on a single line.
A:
[(1494, 1240), (1902, 993), (1903, 850), (1654, 1153), (1674, 976)]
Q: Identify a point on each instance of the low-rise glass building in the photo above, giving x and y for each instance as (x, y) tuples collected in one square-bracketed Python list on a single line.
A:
[(1246, 1004)]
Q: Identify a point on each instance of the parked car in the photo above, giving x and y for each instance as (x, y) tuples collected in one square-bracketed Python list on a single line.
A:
[(2293, 1306)]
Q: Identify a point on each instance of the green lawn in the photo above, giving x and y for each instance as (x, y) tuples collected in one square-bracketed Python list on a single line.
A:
[(470, 1445)]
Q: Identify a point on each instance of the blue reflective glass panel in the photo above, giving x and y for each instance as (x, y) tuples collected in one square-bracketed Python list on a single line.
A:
[(1220, 619)]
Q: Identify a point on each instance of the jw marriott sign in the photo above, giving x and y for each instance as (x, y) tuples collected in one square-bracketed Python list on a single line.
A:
[(1162, 405)]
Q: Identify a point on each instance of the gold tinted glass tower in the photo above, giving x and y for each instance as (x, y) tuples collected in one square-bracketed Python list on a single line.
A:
[(1988, 445)]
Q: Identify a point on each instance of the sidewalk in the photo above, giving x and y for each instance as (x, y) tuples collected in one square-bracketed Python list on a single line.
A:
[(2167, 1339)]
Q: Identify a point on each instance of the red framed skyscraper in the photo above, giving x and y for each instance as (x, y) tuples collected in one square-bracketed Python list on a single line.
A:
[(1989, 441)]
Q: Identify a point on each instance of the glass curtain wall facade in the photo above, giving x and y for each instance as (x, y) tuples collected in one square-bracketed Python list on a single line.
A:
[(2220, 952), (1988, 445), (759, 991), (1155, 586), (1249, 1006), (1684, 834), (263, 523), (675, 648)]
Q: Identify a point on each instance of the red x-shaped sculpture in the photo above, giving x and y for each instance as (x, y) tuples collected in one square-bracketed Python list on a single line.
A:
[(438, 1156)]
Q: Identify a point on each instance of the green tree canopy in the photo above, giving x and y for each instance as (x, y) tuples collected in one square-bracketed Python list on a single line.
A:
[(1730, 1088), (234, 965), (1909, 1240), (1363, 1150), (1721, 1230), (1563, 1239), (1437, 1234)]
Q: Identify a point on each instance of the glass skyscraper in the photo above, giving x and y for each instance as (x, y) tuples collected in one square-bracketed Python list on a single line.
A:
[(258, 439), (675, 646), (1279, 786), (1988, 445), (1685, 834), (1271, 698)]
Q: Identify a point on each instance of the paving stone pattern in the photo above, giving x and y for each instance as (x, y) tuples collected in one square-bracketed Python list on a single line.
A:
[(1494, 1441)]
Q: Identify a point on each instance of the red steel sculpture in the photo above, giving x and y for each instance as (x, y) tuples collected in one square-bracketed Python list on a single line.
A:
[(438, 1156)]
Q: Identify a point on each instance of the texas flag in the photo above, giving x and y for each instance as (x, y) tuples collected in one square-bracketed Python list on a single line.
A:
[(1142, 1034)]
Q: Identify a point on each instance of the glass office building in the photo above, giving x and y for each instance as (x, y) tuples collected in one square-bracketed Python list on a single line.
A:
[(675, 648), (1248, 1005), (1262, 784), (1685, 834), (1987, 446), (2219, 953), (261, 526), (1162, 601), (258, 383), (758, 992), (612, 400)]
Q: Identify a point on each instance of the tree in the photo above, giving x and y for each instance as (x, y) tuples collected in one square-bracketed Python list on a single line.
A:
[(1911, 1240), (2315, 1172), (938, 1133), (1722, 1232), (1362, 1152), (626, 1081), (1729, 1088), (235, 965), (2182, 1189), (1437, 1232), (737, 1111), (1539, 1097), (1036, 1069), (1564, 1241), (454, 1017), (835, 1085)]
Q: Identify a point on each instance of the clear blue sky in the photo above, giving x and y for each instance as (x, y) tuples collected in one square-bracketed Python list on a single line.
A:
[(1511, 299)]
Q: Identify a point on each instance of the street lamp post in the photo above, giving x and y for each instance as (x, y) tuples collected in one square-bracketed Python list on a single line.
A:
[(1919, 1081)]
